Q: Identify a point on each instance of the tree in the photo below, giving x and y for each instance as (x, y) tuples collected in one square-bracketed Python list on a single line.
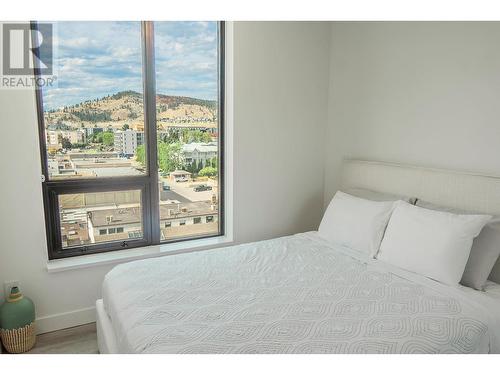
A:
[(78, 145), (208, 172), (199, 166), (97, 137), (172, 137), (125, 127), (65, 143), (206, 138), (214, 163), (108, 138), (140, 155), (191, 167), (169, 156), (190, 136)]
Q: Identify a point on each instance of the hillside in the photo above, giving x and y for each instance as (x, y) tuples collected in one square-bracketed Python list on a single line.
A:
[(126, 107)]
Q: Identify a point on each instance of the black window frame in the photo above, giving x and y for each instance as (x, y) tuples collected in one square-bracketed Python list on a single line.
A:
[(147, 183)]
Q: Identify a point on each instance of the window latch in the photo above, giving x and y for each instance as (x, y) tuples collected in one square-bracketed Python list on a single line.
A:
[(124, 244), (42, 177)]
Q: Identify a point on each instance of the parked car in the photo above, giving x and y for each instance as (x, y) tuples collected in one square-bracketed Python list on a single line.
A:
[(166, 187), (181, 179), (202, 188)]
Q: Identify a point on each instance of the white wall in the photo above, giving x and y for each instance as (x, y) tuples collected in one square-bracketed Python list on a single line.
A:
[(280, 94), (280, 116), (425, 93)]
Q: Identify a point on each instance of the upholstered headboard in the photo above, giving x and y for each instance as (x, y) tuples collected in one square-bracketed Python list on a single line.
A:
[(461, 190)]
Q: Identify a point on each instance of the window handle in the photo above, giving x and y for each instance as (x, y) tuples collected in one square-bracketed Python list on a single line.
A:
[(124, 244)]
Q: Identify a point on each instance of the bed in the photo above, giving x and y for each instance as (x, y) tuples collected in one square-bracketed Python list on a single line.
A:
[(302, 294)]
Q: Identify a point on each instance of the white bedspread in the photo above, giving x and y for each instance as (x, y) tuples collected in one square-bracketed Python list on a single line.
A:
[(294, 294)]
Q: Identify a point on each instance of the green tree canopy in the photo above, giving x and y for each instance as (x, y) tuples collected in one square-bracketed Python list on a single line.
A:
[(65, 143), (140, 155), (190, 136), (108, 138), (171, 137), (169, 156), (213, 162), (208, 172)]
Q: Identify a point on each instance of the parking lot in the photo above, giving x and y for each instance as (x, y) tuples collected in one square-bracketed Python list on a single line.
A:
[(170, 195), (186, 189)]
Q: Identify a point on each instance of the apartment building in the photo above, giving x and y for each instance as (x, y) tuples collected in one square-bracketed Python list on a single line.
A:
[(54, 137), (127, 141)]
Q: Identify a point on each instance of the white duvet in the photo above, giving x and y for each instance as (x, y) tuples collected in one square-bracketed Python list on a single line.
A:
[(296, 294)]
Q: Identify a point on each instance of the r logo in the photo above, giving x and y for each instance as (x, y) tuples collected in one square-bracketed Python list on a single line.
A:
[(25, 47)]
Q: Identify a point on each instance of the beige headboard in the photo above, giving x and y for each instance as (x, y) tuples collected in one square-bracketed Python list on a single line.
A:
[(461, 190)]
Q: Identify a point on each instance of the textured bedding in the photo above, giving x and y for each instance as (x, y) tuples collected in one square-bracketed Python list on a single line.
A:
[(296, 294)]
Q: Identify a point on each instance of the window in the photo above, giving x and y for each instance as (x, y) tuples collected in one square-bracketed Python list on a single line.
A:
[(132, 135), (134, 234)]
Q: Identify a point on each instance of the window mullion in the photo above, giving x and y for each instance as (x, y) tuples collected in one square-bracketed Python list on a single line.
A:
[(149, 83), (221, 126)]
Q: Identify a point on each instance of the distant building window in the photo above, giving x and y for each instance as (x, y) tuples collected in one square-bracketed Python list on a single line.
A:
[(197, 220), (182, 223), (168, 224), (135, 234), (210, 218), (103, 232), (111, 230), (119, 230)]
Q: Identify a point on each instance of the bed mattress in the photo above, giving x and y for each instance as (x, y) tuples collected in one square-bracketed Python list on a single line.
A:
[(296, 294)]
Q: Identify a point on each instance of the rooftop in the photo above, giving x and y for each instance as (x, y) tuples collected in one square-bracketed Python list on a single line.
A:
[(180, 210), (179, 172), (200, 147), (130, 215), (189, 230), (74, 233), (115, 216)]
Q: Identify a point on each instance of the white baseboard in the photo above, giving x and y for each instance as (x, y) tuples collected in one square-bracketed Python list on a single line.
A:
[(68, 319)]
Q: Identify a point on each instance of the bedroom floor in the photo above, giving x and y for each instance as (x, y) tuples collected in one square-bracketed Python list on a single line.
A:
[(76, 340)]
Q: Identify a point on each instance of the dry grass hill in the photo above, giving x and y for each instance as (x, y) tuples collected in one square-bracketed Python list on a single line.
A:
[(126, 107)]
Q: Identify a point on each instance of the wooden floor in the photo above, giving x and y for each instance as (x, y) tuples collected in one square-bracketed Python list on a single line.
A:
[(76, 340)]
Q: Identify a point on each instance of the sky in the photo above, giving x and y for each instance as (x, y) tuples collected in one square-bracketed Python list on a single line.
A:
[(94, 59)]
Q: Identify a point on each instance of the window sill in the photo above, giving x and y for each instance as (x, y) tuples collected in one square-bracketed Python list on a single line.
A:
[(121, 256)]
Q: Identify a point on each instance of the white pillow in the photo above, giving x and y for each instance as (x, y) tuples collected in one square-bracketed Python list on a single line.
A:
[(484, 252), (431, 243), (355, 222)]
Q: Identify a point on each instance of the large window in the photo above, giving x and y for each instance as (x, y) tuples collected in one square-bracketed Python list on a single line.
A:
[(132, 135)]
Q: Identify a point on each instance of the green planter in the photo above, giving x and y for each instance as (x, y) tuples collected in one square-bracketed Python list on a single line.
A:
[(17, 316)]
